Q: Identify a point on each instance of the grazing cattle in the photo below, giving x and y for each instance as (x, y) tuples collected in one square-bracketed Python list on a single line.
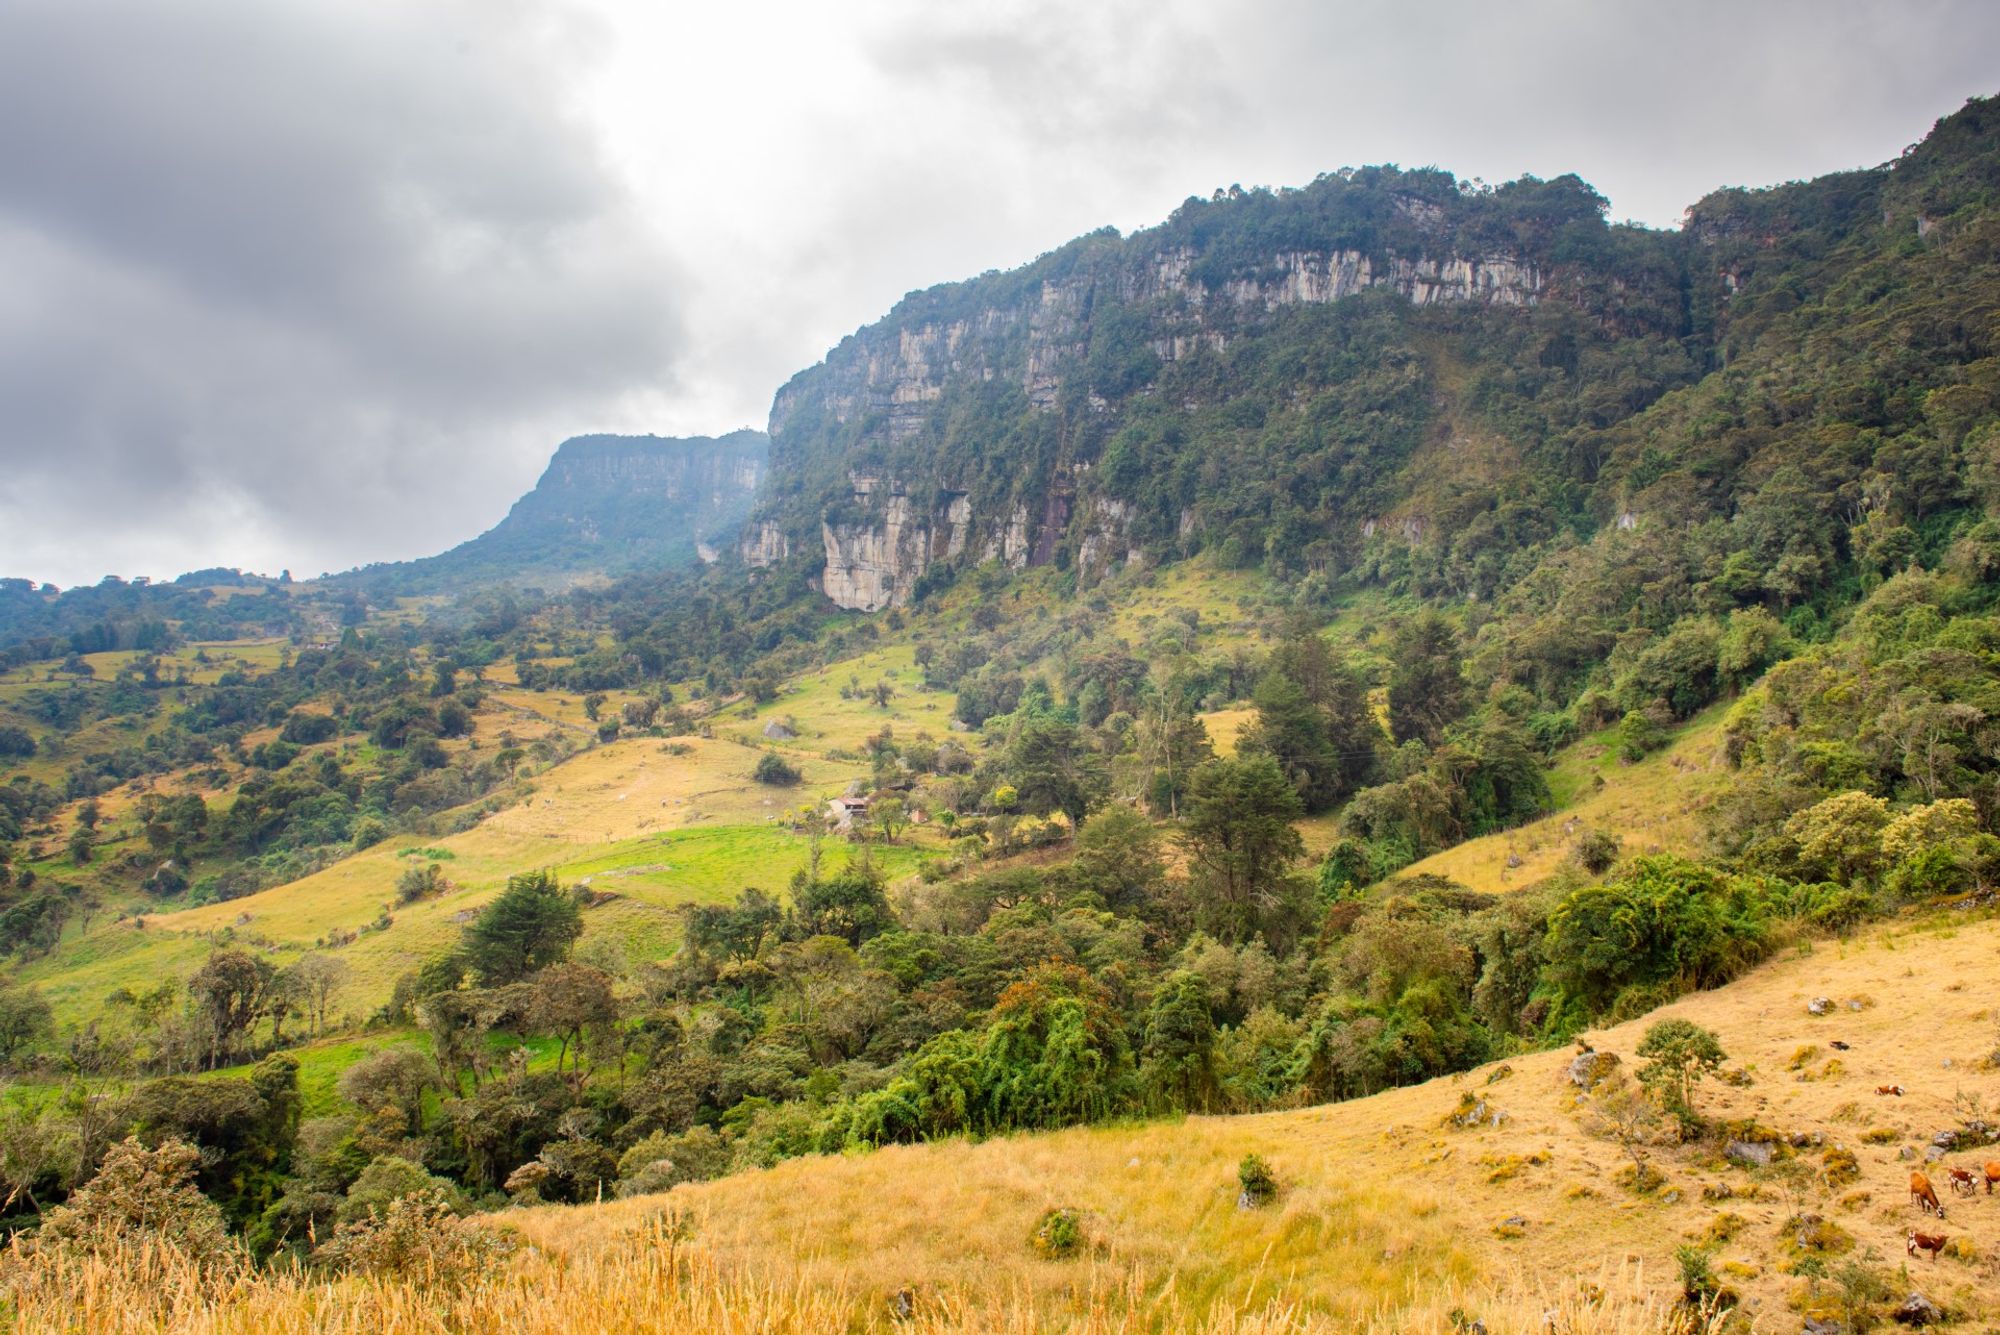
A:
[(1962, 1181), (1897, 1090), (1925, 1242), (1925, 1195), (1992, 1174)]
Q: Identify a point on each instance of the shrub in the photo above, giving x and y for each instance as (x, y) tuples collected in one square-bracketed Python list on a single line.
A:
[(415, 1237), (419, 883), (142, 1196), (1259, 1188), (1058, 1233), (303, 729), (660, 1161), (1597, 851), (1697, 1273), (1642, 732), (390, 1179), (1680, 1054), (773, 769)]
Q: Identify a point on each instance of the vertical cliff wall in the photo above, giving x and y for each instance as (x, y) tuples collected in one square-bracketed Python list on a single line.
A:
[(970, 423), (610, 505)]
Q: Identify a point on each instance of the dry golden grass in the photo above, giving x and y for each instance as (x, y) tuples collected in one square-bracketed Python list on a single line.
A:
[(647, 1281), (1653, 807), (587, 810), (1225, 727), (1385, 1208)]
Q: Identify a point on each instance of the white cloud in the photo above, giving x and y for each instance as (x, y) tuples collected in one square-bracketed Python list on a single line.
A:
[(317, 282)]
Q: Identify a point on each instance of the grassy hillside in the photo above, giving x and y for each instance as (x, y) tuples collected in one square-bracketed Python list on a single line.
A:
[(1651, 806), (1383, 1202), (1388, 1218), (653, 825)]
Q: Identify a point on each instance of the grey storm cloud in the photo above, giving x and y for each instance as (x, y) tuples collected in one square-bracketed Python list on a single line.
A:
[(320, 282), (281, 277)]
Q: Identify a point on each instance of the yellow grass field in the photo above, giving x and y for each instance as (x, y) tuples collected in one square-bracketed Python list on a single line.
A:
[(656, 823), (1385, 1206), (1388, 1220), (1653, 806), (650, 1282), (825, 721)]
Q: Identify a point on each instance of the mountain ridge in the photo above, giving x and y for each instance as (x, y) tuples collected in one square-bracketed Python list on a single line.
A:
[(605, 505)]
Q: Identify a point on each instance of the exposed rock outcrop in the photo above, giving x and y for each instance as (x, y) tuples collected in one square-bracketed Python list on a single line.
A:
[(613, 504), (1025, 344), (765, 545), (871, 566)]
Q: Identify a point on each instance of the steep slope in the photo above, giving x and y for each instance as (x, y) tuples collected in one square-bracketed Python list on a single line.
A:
[(606, 505), (1395, 378), (1119, 398), (1386, 1207)]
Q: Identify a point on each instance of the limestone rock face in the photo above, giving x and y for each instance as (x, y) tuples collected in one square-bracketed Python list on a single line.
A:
[(896, 372), (870, 566), (889, 402), (765, 545)]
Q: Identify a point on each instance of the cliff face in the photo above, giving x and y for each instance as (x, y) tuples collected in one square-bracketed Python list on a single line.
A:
[(878, 452), (640, 489), (894, 372), (609, 505)]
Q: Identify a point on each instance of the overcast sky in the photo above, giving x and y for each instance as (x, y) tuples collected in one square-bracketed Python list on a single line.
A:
[(311, 283)]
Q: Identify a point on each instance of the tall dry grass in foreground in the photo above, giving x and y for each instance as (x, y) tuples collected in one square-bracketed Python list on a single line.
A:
[(656, 1285)]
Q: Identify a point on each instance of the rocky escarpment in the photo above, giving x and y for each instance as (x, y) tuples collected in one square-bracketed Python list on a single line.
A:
[(966, 426), (894, 372), (893, 379), (611, 505), (875, 564)]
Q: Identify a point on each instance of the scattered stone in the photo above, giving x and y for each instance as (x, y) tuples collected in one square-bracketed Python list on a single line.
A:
[(1589, 1068), (1917, 1310), (1945, 1140), (1474, 1111), (1854, 1005), (1819, 1005), (1750, 1152), (904, 1305), (1816, 1326), (1906, 1153), (778, 732), (1515, 1221), (1836, 1043)]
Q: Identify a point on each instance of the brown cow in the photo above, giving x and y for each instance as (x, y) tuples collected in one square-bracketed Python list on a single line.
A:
[(1992, 1174), (1925, 1242), (1962, 1181), (1925, 1195), (1897, 1090)]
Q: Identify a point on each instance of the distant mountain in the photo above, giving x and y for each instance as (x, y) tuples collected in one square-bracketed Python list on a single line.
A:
[(606, 505)]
